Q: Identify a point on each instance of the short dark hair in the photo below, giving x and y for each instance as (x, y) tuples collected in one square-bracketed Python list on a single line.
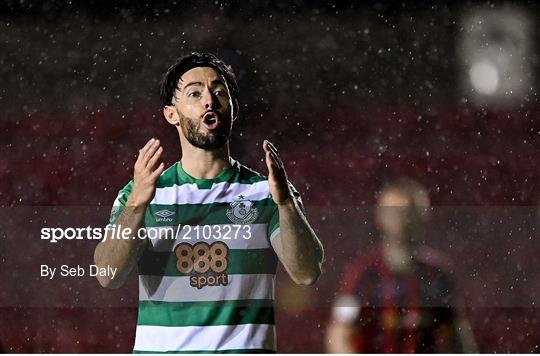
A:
[(169, 83), (415, 191)]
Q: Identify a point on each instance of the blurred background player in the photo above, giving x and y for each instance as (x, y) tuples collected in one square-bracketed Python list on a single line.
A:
[(399, 297)]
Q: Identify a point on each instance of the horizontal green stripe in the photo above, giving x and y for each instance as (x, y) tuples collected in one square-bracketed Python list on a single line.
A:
[(206, 314), (238, 351), (254, 261), (206, 214), (218, 303)]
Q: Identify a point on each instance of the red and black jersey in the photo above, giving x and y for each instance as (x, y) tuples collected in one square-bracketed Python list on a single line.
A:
[(399, 313)]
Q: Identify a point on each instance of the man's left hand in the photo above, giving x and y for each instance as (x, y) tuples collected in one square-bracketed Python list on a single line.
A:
[(277, 178)]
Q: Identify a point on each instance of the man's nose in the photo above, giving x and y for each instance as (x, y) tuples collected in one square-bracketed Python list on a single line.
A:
[(211, 102)]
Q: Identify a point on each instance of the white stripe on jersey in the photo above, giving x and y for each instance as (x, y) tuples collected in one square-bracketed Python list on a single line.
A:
[(223, 192), (178, 289), (190, 338)]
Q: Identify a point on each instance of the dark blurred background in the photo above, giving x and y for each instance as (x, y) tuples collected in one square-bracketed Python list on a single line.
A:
[(352, 95)]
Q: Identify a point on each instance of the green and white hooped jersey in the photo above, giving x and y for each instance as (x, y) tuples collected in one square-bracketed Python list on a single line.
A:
[(206, 277)]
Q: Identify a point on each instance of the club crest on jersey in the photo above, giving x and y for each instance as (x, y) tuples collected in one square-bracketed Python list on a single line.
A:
[(242, 211)]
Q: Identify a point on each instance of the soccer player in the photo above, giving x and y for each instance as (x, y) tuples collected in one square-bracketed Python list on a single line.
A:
[(215, 229), (399, 297)]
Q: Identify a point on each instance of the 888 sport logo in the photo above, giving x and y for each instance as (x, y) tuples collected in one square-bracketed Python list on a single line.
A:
[(209, 262)]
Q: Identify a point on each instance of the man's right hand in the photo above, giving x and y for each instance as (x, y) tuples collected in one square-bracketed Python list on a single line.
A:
[(146, 174)]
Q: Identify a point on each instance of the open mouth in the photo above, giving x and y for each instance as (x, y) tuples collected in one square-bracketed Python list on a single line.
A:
[(211, 120)]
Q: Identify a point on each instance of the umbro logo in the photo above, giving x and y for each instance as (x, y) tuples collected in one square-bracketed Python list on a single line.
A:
[(164, 215)]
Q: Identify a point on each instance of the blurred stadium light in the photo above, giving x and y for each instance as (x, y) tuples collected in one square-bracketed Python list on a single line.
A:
[(495, 55)]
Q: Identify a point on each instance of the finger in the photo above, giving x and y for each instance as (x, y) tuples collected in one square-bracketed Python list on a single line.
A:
[(271, 146), (149, 153), (265, 146), (142, 151), (270, 164), (272, 154), (275, 159), (275, 155), (147, 144), (267, 150), (155, 174), (274, 149), (153, 160)]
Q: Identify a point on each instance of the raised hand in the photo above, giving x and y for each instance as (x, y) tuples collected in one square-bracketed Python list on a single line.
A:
[(146, 173), (277, 177)]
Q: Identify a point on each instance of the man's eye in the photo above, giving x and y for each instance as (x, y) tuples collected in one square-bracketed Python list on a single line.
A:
[(220, 92), (194, 94)]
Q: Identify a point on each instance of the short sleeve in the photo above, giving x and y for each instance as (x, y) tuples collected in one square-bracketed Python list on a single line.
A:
[(354, 289), (273, 225), (120, 203), (346, 309)]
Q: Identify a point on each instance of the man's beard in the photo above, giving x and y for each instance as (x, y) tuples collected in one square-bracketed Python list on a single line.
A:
[(207, 141)]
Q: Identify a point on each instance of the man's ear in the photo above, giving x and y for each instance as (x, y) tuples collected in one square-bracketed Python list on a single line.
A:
[(170, 115)]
